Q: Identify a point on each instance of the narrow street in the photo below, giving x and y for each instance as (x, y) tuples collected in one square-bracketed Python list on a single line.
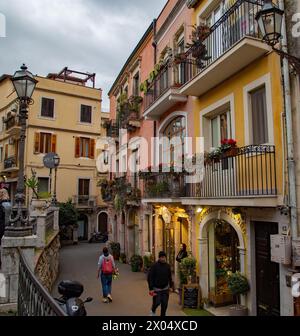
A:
[(130, 291)]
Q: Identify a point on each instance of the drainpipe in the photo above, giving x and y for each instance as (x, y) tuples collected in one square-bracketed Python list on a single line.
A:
[(154, 44), (289, 131)]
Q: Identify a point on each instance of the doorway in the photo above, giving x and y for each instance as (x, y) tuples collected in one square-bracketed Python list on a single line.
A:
[(223, 243), (267, 272), (83, 223), (103, 222)]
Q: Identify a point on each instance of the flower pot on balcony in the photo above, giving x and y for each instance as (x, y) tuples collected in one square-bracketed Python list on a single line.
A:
[(231, 152)]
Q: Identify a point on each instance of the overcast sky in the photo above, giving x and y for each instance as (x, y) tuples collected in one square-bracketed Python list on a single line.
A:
[(85, 35)]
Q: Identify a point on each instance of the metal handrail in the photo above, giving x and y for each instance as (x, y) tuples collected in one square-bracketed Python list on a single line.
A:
[(33, 299)]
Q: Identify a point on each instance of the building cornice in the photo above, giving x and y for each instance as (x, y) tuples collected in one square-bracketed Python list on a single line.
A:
[(170, 18)]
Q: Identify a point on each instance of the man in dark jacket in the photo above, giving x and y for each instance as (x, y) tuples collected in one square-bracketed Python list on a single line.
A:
[(160, 282)]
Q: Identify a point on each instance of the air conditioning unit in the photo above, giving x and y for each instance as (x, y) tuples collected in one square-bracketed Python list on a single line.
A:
[(281, 249), (11, 141)]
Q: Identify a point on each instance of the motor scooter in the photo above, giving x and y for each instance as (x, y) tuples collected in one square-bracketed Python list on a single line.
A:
[(70, 301), (98, 237)]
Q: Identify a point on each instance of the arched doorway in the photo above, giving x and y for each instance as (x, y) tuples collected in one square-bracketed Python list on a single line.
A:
[(83, 224), (223, 257), (221, 250), (103, 222)]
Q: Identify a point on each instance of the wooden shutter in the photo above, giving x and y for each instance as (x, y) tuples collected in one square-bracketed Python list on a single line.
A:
[(36, 143), (53, 143), (77, 147), (92, 149), (6, 152)]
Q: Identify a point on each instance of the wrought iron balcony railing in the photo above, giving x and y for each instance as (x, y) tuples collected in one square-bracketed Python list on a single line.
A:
[(112, 129), (236, 23), (249, 172), (10, 162)]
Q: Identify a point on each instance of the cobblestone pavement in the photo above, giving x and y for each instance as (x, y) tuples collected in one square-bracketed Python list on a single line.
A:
[(130, 291)]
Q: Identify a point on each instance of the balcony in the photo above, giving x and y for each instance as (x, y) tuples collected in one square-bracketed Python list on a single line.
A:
[(12, 127), (85, 201), (11, 165), (163, 186), (164, 91), (244, 177), (112, 129), (232, 44), (248, 173), (130, 114)]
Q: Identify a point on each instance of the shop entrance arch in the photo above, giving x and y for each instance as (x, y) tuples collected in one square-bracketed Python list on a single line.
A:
[(222, 250)]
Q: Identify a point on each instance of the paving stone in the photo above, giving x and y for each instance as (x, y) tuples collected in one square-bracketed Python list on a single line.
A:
[(130, 291)]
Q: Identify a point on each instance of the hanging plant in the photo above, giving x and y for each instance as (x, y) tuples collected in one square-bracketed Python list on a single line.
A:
[(197, 47)]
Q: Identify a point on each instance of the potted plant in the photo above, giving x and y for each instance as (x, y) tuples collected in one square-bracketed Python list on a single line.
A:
[(187, 273), (116, 250), (136, 263), (147, 263), (229, 147), (40, 200), (238, 285), (197, 47), (123, 258)]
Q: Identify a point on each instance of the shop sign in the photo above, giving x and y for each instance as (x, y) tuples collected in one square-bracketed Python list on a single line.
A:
[(281, 249)]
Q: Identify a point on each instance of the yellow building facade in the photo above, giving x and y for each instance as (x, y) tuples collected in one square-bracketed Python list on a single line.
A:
[(65, 118), (238, 95)]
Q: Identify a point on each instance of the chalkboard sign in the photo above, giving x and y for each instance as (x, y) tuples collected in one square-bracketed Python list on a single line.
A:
[(191, 296)]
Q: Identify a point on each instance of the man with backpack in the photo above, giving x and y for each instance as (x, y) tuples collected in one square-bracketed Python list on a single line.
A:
[(106, 268)]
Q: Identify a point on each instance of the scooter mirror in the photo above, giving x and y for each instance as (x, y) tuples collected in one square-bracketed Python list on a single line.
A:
[(89, 299)]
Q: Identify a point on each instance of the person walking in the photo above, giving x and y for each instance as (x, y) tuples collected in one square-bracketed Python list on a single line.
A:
[(5, 206), (182, 253), (160, 281), (106, 270), (4, 203)]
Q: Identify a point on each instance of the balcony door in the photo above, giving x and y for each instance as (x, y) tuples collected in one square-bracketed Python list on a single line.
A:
[(214, 42), (83, 190)]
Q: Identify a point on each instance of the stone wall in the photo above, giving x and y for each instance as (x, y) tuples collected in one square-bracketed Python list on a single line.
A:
[(47, 264)]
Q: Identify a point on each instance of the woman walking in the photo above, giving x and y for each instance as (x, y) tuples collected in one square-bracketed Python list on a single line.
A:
[(106, 269)]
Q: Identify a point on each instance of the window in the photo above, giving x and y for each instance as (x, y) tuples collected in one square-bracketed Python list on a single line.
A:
[(260, 134), (83, 187), (47, 108), (43, 186), (105, 157), (86, 114), (176, 129), (84, 148), (220, 128), (136, 85), (6, 152), (44, 143)]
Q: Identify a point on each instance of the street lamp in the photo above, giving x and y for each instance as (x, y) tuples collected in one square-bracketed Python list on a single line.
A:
[(269, 20), (56, 160), (24, 84)]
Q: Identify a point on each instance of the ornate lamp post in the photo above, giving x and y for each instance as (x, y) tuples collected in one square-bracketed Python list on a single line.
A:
[(24, 84), (56, 160), (269, 20)]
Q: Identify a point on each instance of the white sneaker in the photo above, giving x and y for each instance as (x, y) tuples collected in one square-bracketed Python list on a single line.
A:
[(109, 298), (152, 314)]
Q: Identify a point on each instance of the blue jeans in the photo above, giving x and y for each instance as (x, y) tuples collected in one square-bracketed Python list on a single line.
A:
[(106, 281)]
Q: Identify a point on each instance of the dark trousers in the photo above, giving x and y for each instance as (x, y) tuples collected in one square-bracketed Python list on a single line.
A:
[(161, 299)]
